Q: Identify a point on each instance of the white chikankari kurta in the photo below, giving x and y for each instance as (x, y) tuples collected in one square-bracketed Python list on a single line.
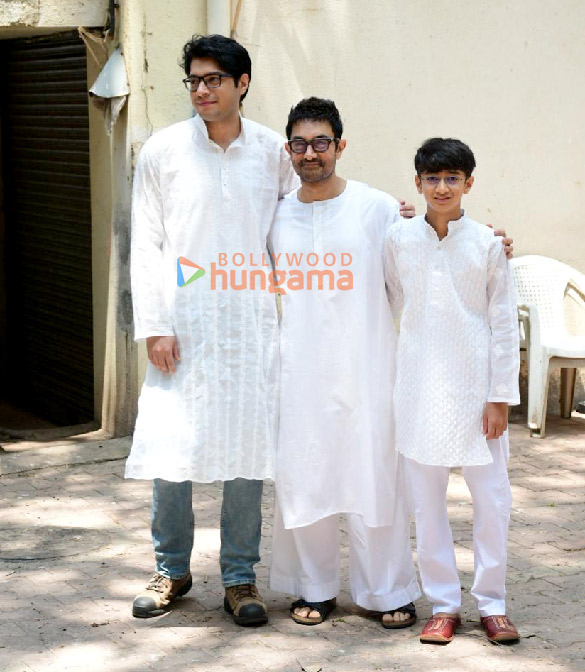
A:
[(335, 444), (216, 417), (458, 345)]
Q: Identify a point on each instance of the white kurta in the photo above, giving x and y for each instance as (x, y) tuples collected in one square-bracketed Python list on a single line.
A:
[(215, 418), (458, 345), (335, 444)]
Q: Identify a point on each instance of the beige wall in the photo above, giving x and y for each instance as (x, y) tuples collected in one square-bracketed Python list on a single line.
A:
[(22, 18), (505, 76), (153, 34), (101, 208)]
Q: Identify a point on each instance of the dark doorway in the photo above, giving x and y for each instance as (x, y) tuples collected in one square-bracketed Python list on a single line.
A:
[(46, 328)]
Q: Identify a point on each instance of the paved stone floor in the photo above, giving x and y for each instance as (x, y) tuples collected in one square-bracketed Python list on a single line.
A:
[(75, 548)]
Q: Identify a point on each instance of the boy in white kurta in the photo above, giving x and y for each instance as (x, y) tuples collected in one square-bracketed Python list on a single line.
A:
[(457, 372), (335, 446)]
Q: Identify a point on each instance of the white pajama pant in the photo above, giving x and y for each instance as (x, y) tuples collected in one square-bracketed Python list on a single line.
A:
[(492, 499), (305, 560)]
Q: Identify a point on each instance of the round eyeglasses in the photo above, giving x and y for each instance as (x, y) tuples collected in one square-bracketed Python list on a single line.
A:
[(434, 180), (211, 81), (319, 145)]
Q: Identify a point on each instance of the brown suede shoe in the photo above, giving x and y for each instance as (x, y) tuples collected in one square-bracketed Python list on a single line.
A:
[(246, 605), (156, 598), (499, 629)]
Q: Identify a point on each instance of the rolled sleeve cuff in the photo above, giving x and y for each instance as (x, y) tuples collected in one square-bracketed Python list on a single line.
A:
[(511, 401), (143, 334)]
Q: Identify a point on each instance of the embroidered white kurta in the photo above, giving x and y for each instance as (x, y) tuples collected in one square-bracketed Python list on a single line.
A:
[(215, 418), (335, 444), (458, 345)]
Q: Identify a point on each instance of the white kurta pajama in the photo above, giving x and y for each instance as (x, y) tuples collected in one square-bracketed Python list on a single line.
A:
[(458, 349), (215, 418), (335, 444)]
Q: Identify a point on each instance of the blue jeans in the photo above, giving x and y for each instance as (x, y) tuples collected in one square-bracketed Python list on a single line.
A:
[(241, 521)]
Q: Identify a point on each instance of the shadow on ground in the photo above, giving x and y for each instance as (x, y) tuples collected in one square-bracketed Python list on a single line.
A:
[(75, 548)]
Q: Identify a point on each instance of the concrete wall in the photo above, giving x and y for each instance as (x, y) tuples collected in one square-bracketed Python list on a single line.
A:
[(101, 208), (152, 34), (505, 76), (24, 18)]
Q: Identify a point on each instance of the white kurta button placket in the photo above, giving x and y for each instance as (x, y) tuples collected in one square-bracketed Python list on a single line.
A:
[(225, 171), (318, 213)]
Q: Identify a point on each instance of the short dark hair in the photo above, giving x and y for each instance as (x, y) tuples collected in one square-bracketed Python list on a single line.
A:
[(315, 109), (436, 154), (230, 55)]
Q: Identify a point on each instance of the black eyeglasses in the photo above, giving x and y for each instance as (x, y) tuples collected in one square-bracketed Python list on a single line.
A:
[(319, 145), (211, 81)]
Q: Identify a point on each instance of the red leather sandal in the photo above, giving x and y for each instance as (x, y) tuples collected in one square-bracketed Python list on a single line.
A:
[(440, 629), (499, 629)]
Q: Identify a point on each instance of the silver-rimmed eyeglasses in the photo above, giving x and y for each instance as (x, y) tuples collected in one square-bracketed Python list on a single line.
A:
[(435, 180)]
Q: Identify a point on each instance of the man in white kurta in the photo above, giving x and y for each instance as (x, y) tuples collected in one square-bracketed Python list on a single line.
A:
[(205, 190), (335, 444)]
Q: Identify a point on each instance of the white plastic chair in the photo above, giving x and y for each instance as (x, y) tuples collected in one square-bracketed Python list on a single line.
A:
[(551, 310)]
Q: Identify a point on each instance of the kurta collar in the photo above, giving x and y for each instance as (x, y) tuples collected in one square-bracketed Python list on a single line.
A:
[(202, 134), (453, 225), (330, 202)]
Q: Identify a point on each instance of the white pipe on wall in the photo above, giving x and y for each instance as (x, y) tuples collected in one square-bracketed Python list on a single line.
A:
[(219, 17)]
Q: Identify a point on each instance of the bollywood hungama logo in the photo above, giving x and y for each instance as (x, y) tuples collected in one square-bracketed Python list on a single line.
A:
[(277, 274), (187, 271)]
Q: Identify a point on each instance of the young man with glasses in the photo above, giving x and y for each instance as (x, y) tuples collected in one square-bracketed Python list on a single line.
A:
[(203, 188)]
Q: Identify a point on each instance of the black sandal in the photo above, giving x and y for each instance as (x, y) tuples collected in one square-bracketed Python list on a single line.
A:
[(408, 609), (324, 609)]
